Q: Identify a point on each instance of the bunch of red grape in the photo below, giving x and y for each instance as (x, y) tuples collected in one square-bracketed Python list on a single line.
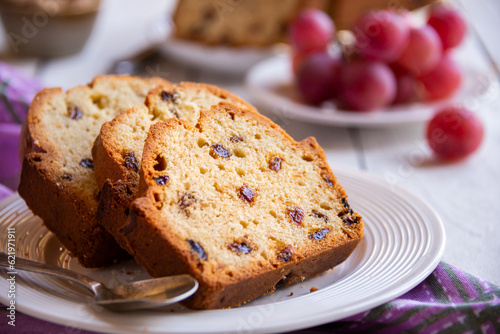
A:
[(391, 61)]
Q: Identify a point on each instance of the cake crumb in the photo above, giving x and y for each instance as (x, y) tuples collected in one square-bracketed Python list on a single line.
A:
[(313, 288), (291, 294)]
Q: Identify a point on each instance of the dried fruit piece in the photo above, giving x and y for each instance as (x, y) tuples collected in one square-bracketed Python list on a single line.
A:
[(320, 234), (196, 248), (246, 194), (217, 150), (67, 177), (74, 112), (161, 180), (236, 139), (347, 206), (327, 179), (286, 254), (275, 163), (87, 163), (349, 220), (317, 214), (240, 247), (130, 161), (168, 97), (296, 215)]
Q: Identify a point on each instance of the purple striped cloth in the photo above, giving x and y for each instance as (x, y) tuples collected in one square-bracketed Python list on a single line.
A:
[(16, 92), (448, 301)]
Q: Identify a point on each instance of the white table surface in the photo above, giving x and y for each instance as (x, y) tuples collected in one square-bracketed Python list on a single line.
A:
[(466, 194)]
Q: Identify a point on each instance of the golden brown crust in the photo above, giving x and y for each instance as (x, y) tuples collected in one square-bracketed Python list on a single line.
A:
[(114, 206), (108, 160), (162, 252), (50, 193), (67, 217)]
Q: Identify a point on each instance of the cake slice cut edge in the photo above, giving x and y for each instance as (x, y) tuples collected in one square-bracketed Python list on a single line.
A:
[(239, 205), (57, 180)]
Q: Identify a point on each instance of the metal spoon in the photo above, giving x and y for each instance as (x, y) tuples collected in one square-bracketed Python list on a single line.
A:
[(144, 294)]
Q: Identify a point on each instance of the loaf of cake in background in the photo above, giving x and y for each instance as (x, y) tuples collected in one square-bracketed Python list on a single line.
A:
[(345, 13), (238, 23)]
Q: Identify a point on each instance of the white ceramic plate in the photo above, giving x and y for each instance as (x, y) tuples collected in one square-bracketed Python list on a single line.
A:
[(404, 241), (221, 59), (270, 84), (224, 59)]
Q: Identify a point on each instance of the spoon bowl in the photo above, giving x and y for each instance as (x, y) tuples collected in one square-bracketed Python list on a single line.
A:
[(145, 294)]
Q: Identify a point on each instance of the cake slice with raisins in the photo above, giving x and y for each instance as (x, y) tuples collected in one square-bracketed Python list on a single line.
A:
[(239, 205), (57, 178), (117, 151)]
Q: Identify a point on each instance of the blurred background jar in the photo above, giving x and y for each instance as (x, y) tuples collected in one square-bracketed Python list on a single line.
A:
[(47, 28)]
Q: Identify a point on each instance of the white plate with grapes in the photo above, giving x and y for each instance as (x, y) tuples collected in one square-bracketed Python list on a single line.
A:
[(271, 86), (419, 68)]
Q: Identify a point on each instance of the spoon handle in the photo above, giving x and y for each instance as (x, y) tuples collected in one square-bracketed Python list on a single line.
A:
[(18, 263)]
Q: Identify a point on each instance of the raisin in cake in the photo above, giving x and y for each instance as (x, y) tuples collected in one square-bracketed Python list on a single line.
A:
[(237, 23), (117, 151), (57, 178), (239, 205)]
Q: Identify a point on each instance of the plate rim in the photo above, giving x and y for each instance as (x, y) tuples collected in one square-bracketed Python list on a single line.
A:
[(412, 280), (239, 60)]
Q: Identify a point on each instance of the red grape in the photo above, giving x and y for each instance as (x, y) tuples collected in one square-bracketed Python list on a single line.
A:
[(381, 35), (454, 133), (317, 77), (406, 86), (444, 80), (449, 24), (311, 31), (366, 85), (423, 52)]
